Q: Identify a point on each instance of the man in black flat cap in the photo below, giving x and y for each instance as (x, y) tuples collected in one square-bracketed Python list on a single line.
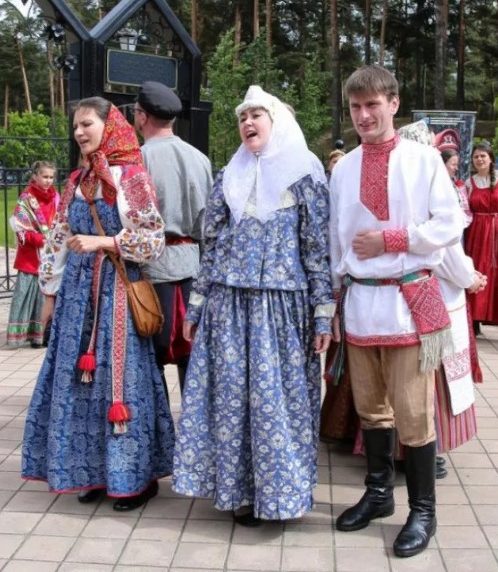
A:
[(182, 177)]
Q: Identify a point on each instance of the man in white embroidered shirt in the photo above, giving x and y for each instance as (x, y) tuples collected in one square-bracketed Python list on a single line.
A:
[(393, 213)]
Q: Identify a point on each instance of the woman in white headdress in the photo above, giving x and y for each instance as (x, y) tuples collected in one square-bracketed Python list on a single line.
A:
[(260, 312)]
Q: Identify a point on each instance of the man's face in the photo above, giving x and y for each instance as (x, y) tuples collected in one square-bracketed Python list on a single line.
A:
[(139, 117), (373, 116)]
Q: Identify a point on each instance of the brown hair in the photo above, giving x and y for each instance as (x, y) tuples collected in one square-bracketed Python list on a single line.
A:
[(447, 154), (486, 147), (37, 166), (372, 79), (100, 105)]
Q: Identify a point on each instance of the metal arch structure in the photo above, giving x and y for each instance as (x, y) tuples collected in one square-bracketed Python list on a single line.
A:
[(90, 47)]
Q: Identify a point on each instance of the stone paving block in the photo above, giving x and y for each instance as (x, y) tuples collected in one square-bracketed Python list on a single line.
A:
[(11, 463), (18, 522), (76, 567), (30, 566), (157, 529), (109, 527), (460, 537), (371, 559), (307, 559), (478, 476), (211, 531), (167, 508), (468, 560), (148, 553), (490, 445), (430, 559), (321, 514), (68, 504), (61, 524), (248, 558), (486, 514), (456, 515), (10, 481), (30, 502), (368, 537), (49, 548), (270, 533), (96, 550), (308, 535), (9, 543), (204, 509), (200, 555), (491, 533), (482, 494)]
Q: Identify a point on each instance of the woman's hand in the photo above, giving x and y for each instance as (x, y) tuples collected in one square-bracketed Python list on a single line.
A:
[(189, 330), (336, 328), (47, 310), (83, 243), (322, 342)]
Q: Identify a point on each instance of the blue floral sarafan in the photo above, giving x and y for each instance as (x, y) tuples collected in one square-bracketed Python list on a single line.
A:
[(68, 441), (248, 430)]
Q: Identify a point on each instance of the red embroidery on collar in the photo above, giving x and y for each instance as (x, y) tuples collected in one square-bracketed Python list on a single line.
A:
[(374, 171)]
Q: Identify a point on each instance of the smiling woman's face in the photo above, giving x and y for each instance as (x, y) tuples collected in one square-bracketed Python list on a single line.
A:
[(255, 128), (88, 129)]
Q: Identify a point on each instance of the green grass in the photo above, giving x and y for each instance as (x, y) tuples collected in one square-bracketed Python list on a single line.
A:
[(10, 193)]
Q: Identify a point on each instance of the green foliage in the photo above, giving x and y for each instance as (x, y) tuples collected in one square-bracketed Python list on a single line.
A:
[(31, 137), (227, 82)]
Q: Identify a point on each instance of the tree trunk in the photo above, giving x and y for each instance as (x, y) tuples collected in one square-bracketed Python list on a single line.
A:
[(255, 19), (51, 87), (62, 93), (441, 44), (238, 30), (336, 72), (368, 17), (383, 24), (24, 76), (6, 107), (193, 20), (460, 94), (268, 23)]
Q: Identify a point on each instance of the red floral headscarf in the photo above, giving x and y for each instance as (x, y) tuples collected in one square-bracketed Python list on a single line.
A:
[(119, 146)]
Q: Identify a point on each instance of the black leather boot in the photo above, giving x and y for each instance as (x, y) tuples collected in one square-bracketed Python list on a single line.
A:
[(378, 500), (420, 466)]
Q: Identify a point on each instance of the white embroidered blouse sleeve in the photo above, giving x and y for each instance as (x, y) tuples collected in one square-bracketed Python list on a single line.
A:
[(54, 252), (142, 236)]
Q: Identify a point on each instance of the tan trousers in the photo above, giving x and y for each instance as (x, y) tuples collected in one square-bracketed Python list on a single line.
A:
[(389, 390)]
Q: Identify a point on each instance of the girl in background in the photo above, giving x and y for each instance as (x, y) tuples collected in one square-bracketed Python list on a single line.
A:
[(33, 215)]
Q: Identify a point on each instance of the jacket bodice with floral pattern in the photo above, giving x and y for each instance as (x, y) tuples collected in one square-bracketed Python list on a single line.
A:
[(287, 252)]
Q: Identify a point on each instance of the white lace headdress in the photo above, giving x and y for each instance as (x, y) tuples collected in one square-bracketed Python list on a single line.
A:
[(284, 160)]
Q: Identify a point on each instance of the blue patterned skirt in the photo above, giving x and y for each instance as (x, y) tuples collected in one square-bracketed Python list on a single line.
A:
[(67, 440), (249, 425)]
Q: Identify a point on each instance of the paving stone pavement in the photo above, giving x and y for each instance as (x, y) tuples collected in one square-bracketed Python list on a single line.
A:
[(44, 532)]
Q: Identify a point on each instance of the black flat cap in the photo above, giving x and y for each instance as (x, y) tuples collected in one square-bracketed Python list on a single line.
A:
[(159, 100)]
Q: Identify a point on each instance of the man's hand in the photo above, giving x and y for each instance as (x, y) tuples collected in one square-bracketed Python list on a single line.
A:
[(189, 330), (480, 282), (322, 342), (82, 243), (368, 244)]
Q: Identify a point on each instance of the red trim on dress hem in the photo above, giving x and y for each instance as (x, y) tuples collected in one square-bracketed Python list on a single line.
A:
[(91, 488)]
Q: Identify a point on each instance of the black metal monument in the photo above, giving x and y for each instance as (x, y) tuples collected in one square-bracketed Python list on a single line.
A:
[(138, 40)]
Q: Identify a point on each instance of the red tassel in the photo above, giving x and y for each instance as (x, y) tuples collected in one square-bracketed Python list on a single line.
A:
[(118, 413), (87, 362)]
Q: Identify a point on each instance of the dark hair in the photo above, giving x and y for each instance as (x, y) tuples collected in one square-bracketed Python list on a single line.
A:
[(372, 79), (486, 147), (100, 105), (37, 166), (447, 154)]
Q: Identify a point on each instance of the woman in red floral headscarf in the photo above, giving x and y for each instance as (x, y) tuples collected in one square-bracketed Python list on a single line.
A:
[(98, 419)]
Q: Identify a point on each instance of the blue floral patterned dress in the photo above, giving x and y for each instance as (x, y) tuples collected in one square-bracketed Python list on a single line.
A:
[(248, 429), (68, 441)]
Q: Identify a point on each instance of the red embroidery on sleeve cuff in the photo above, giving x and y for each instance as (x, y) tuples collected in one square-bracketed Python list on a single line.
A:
[(396, 240)]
